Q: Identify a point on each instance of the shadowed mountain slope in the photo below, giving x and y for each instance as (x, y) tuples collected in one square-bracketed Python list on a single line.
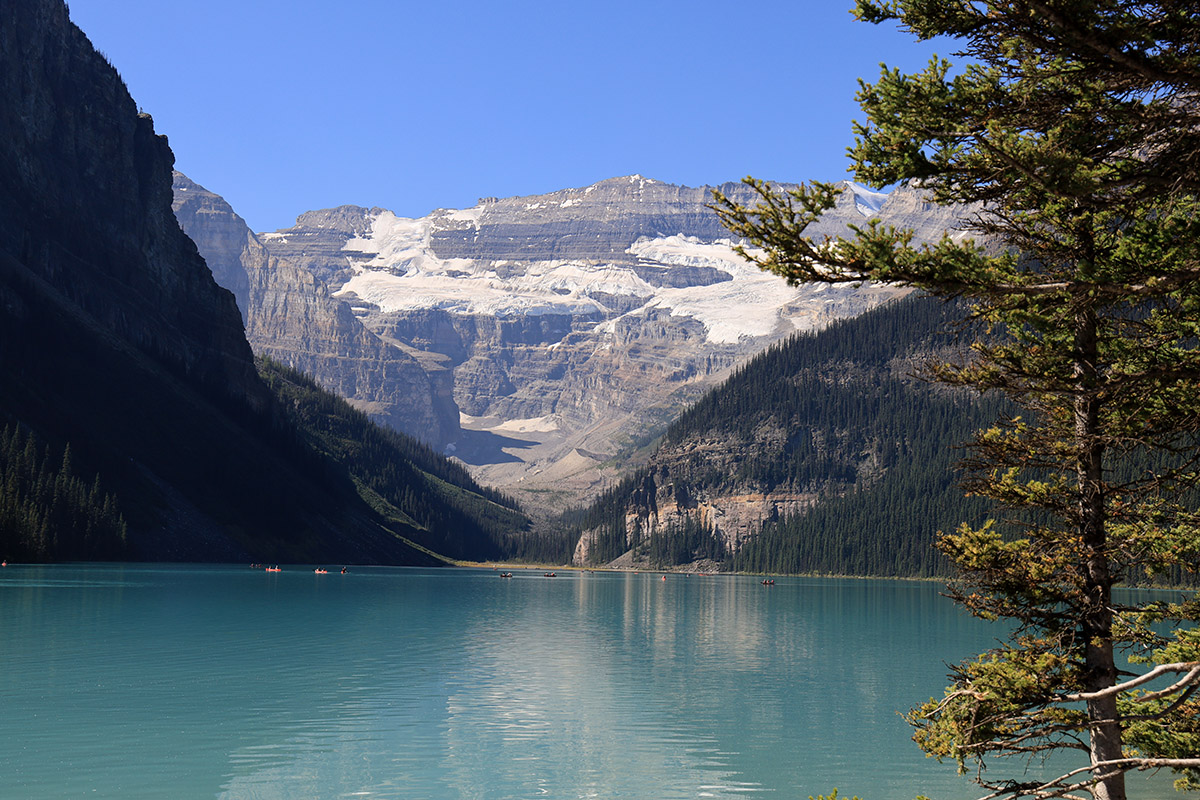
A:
[(116, 341)]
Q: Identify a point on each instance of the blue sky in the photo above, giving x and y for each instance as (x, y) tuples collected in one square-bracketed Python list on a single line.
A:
[(283, 107)]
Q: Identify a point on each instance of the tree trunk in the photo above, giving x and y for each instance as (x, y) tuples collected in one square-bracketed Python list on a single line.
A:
[(1096, 629)]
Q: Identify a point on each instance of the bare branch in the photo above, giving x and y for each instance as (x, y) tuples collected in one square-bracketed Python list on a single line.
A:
[(1183, 698), (1104, 769), (1191, 667)]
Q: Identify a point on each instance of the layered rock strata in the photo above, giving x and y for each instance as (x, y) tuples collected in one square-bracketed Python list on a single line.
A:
[(291, 317), (577, 323)]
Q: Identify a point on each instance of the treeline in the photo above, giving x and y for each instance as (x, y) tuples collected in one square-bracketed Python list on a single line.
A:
[(605, 518), (681, 540), (542, 545), (399, 476), (48, 509), (670, 542), (555, 543)]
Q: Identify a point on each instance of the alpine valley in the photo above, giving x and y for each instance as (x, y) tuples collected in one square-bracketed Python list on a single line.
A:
[(545, 341), (178, 387)]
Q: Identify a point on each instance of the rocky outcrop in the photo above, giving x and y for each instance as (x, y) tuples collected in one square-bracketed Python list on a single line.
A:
[(224, 240), (291, 317), (733, 518), (594, 223)]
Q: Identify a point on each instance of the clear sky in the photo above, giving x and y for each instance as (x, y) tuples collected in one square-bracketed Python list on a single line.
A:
[(282, 106)]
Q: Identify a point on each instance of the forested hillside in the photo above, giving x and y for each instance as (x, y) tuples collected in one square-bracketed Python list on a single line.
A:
[(825, 454), (48, 510), (441, 507), (52, 509)]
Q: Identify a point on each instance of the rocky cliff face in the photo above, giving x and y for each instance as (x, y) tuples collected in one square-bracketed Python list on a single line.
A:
[(577, 323), (228, 246), (291, 317), (85, 179)]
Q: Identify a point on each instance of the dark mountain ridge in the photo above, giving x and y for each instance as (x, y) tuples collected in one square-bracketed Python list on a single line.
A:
[(85, 187), (117, 345)]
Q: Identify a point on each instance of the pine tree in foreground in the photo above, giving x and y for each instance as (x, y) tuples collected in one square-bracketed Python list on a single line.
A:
[(1072, 132)]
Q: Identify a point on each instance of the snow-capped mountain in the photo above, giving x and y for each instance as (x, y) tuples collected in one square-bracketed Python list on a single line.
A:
[(679, 274), (576, 323)]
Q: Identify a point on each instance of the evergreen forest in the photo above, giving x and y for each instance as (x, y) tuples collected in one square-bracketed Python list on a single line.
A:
[(49, 509), (55, 506), (840, 416), (403, 479)]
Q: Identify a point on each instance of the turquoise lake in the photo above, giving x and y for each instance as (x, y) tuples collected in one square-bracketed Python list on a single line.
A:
[(140, 681)]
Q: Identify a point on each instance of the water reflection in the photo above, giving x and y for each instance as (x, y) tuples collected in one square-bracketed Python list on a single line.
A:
[(130, 682), (558, 705)]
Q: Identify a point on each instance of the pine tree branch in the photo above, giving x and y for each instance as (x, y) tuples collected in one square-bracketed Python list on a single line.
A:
[(1104, 770), (1192, 668), (1135, 63), (1166, 711)]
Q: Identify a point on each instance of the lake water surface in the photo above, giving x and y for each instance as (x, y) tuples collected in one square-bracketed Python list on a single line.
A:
[(138, 681)]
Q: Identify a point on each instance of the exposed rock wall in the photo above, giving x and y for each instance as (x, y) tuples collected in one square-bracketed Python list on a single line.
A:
[(570, 327), (594, 223), (291, 317), (733, 518)]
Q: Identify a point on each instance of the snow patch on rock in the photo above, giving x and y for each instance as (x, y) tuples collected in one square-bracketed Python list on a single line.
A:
[(867, 201), (395, 269)]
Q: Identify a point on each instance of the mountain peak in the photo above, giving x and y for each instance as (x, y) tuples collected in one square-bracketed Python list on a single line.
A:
[(349, 219), (628, 179), (867, 201)]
